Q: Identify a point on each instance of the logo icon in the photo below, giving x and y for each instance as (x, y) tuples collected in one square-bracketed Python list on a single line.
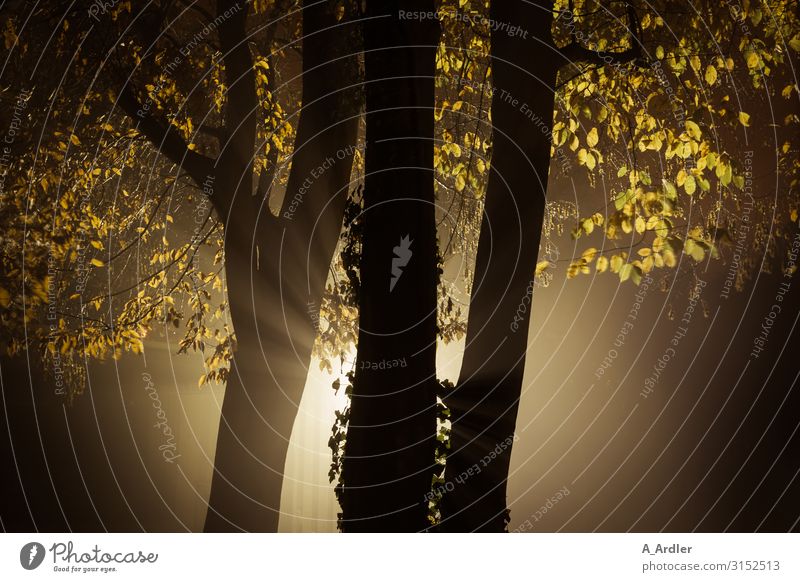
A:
[(402, 256), (31, 555)]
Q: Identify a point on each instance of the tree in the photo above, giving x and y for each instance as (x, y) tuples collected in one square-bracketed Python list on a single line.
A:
[(484, 402), (202, 115), (388, 456), (262, 398), (647, 208)]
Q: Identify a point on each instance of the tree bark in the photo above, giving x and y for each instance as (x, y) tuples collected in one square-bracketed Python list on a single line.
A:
[(276, 273), (485, 400), (388, 462)]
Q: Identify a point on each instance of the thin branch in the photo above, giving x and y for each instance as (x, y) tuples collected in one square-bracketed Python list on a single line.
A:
[(576, 52), (165, 138)]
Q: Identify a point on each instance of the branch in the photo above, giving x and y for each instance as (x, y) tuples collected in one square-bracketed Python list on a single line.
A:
[(166, 138), (242, 102), (575, 51)]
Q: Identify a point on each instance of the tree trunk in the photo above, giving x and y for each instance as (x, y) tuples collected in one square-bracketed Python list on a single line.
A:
[(388, 462), (276, 273), (485, 401)]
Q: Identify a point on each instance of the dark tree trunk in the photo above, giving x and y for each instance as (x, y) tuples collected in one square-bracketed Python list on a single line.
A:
[(388, 459), (485, 401), (277, 268)]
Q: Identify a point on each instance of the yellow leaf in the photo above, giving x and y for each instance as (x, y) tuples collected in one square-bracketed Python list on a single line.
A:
[(97, 263), (744, 118), (602, 265), (592, 137), (690, 185), (74, 139), (693, 129), (625, 272), (5, 297), (711, 75)]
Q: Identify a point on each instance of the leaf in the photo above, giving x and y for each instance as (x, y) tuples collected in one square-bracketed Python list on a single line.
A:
[(5, 297), (670, 190), (744, 118), (711, 75), (690, 185), (542, 266), (602, 265), (693, 129), (625, 272), (98, 263), (592, 137), (636, 275), (620, 200)]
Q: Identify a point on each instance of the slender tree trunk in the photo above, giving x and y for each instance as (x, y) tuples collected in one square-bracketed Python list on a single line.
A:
[(277, 268), (388, 459), (485, 401)]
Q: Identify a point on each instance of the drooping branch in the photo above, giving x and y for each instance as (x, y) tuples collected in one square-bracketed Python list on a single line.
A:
[(165, 138)]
